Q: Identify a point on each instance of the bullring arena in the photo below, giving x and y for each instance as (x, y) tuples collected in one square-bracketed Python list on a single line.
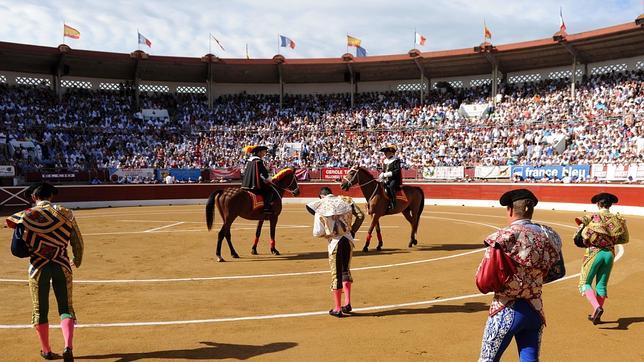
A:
[(156, 291), (136, 142)]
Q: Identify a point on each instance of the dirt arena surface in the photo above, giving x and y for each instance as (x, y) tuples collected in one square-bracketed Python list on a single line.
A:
[(135, 298)]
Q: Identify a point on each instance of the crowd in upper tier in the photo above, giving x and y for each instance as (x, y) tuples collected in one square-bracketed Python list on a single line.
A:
[(532, 123)]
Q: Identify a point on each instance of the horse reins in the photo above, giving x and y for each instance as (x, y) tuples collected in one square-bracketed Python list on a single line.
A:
[(288, 188), (357, 175)]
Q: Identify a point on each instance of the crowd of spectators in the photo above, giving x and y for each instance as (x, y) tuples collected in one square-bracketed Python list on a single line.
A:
[(533, 123)]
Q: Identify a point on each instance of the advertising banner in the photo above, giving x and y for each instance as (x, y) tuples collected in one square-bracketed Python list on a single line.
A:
[(185, 174), (7, 171), (334, 173), (225, 174), (613, 172), (552, 171), (302, 174), (443, 173), (492, 172), (127, 175)]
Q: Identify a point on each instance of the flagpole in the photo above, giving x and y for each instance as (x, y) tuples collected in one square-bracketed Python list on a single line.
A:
[(209, 43), (347, 42), (138, 43), (63, 31), (414, 46), (278, 43)]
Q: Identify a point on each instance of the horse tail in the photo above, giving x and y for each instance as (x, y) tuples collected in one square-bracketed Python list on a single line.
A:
[(422, 203), (210, 208)]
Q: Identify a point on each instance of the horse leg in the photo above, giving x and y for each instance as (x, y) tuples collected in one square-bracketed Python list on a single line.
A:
[(374, 222), (258, 233), (233, 253), (220, 236), (411, 219), (379, 235), (273, 221)]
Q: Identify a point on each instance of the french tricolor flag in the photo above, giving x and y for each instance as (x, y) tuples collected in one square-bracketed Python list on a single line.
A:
[(145, 41), (286, 42), (562, 25)]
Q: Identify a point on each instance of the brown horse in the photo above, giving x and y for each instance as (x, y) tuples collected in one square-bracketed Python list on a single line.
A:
[(233, 202), (377, 202)]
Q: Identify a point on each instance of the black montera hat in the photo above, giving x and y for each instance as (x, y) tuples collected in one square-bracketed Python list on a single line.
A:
[(604, 196), (520, 194), (42, 187)]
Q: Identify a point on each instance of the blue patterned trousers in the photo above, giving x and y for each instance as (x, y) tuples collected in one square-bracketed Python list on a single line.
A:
[(518, 320)]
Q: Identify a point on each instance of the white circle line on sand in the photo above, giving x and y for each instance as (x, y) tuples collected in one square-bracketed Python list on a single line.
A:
[(276, 275), (620, 253)]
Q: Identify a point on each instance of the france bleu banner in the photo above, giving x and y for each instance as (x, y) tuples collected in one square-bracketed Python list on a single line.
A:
[(553, 171)]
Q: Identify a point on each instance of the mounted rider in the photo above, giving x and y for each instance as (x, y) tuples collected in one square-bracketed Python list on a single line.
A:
[(256, 177), (392, 173)]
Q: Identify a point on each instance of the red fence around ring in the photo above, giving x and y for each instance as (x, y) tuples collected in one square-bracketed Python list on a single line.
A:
[(629, 195)]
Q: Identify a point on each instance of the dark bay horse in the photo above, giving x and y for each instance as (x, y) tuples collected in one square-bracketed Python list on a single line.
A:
[(233, 202), (374, 193)]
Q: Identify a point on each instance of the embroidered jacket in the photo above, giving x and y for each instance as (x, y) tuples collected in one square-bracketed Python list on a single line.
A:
[(603, 230), (48, 229), (535, 249)]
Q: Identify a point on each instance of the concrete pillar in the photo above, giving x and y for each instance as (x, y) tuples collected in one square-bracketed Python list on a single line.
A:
[(210, 86), (573, 77), (494, 90)]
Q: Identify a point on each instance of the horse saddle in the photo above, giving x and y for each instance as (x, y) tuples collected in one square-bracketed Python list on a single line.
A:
[(400, 195), (256, 199)]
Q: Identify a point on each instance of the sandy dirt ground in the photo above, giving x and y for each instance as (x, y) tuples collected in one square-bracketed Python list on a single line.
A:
[(149, 288)]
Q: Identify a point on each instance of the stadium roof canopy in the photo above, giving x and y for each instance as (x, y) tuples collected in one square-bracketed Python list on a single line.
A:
[(615, 42)]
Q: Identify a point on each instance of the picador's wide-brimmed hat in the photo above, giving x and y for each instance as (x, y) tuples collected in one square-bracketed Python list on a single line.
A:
[(255, 148), (604, 196), (515, 195), (389, 148)]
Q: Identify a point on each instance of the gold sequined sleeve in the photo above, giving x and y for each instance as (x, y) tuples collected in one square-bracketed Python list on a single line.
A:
[(623, 239), (77, 244)]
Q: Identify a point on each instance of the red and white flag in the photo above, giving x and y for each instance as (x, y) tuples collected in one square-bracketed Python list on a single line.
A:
[(420, 40), (562, 25)]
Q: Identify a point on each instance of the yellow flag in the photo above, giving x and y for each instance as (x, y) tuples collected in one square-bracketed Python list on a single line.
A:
[(70, 32), (351, 41)]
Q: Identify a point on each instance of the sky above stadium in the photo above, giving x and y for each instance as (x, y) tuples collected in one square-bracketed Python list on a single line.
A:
[(319, 28)]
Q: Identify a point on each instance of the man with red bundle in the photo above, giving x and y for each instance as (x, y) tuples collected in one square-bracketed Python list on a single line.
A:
[(517, 309)]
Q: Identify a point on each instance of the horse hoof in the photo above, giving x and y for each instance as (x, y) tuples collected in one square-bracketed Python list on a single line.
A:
[(220, 259), (415, 242), (365, 249), (253, 251), (235, 256), (379, 248), (274, 251)]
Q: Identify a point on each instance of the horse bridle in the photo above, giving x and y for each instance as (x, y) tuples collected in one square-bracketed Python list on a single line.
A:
[(350, 182), (287, 188)]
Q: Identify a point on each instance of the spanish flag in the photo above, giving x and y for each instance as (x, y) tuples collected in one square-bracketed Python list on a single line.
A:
[(70, 32), (353, 42)]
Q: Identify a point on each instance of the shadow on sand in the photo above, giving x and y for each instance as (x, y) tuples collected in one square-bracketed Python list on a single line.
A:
[(210, 351), (623, 323), (469, 307)]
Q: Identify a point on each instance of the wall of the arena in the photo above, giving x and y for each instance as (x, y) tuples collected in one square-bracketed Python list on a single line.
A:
[(557, 197)]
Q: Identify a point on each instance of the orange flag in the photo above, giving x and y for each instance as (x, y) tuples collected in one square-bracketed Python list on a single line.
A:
[(487, 34)]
